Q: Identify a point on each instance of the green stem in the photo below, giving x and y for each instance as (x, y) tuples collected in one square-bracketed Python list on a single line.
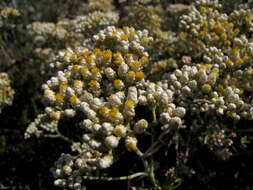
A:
[(144, 161), (154, 115), (129, 177), (149, 167), (153, 147), (151, 172), (59, 135)]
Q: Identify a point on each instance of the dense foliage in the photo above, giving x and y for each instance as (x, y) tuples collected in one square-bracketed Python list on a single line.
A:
[(137, 94)]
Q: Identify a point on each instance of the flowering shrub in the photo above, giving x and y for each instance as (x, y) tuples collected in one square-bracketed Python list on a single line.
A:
[(159, 88), (6, 92), (5, 15)]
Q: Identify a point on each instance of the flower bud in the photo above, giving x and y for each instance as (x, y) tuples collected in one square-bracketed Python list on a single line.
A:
[(131, 143), (140, 126), (111, 142)]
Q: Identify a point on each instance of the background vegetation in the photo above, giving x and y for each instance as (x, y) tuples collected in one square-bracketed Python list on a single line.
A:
[(25, 163)]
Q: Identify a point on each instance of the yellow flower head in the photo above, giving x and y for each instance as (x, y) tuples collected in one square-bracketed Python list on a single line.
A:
[(73, 99), (124, 37), (113, 112), (137, 64), (107, 54), (139, 75), (118, 84), (95, 70), (59, 97), (93, 84), (103, 110), (75, 68), (129, 103), (84, 69), (63, 86), (55, 115)]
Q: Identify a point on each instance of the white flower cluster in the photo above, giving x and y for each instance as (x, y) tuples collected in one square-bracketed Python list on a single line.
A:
[(157, 69), (217, 139), (81, 85), (64, 167), (159, 96), (216, 36), (99, 5), (7, 12), (218, 41), (125, 40), (6, 92), (94, 21), (150, 17), (205, 26), (198, 88), (50, 38), (101, 85), (243, 18), (47, 31)]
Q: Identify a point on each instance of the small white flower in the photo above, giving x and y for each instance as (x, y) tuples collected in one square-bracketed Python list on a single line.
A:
[(165, 118), (175, 121), (67, 170), (111, 142), (96, 103), (110, 73), (132, 94), (131, 143), (96, 128), (69, 112), (142, 100), (120, 130), (70, 91), (106, 128), (50, 95), (122, 70), (141, 126), (106, 161), (95, 144), (180, 112)]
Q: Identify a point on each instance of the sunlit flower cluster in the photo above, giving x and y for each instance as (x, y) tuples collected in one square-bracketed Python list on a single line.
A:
[(101, 86), (6, 13), (49, 38), (9, 11)]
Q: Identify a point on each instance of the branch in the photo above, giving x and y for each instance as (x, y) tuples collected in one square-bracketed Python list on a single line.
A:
[(156, 143), (129, 177), (144, 161), (59, 135)]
